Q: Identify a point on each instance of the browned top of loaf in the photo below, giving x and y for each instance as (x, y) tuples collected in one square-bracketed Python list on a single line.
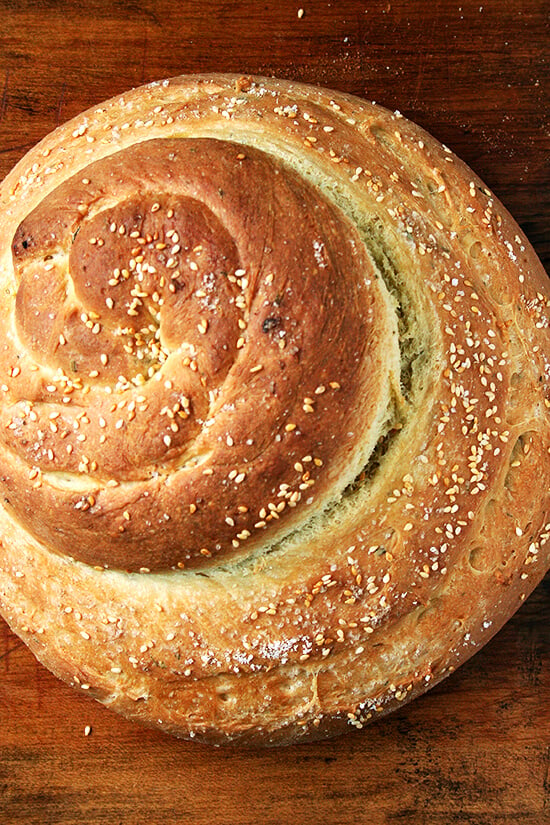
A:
[(201, 339), (329, 389)]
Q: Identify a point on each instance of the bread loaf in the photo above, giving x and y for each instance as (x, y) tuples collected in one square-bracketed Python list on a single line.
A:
[(274, 405)]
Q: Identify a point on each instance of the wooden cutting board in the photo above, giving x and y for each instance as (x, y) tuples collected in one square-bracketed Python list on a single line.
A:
[(476, 749)]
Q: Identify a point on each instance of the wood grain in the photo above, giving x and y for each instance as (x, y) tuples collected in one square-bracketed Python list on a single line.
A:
[(477, 748)]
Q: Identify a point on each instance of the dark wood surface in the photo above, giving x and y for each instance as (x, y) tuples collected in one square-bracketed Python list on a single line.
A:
[(477, 748)]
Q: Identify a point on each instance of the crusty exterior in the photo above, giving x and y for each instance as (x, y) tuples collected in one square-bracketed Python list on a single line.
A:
[(274, 407)]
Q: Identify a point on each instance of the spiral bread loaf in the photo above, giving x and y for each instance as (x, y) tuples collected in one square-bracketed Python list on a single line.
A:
[(274, 405)]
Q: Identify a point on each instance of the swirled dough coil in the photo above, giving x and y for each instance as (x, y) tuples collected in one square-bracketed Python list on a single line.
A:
[(274, 408)]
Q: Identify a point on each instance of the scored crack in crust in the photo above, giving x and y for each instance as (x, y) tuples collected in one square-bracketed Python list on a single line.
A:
[(274, 407)]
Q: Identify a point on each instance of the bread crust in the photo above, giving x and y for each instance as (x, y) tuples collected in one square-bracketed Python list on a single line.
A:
[(275, 391)]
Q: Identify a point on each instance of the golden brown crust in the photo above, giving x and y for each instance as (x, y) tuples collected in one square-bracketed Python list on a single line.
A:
[(275, 387), (189, 307)]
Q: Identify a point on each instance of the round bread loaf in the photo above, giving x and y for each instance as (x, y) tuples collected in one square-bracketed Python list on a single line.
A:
[(274, 405)]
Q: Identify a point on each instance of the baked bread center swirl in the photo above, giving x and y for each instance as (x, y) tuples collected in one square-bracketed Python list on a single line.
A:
[(210, 357)]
